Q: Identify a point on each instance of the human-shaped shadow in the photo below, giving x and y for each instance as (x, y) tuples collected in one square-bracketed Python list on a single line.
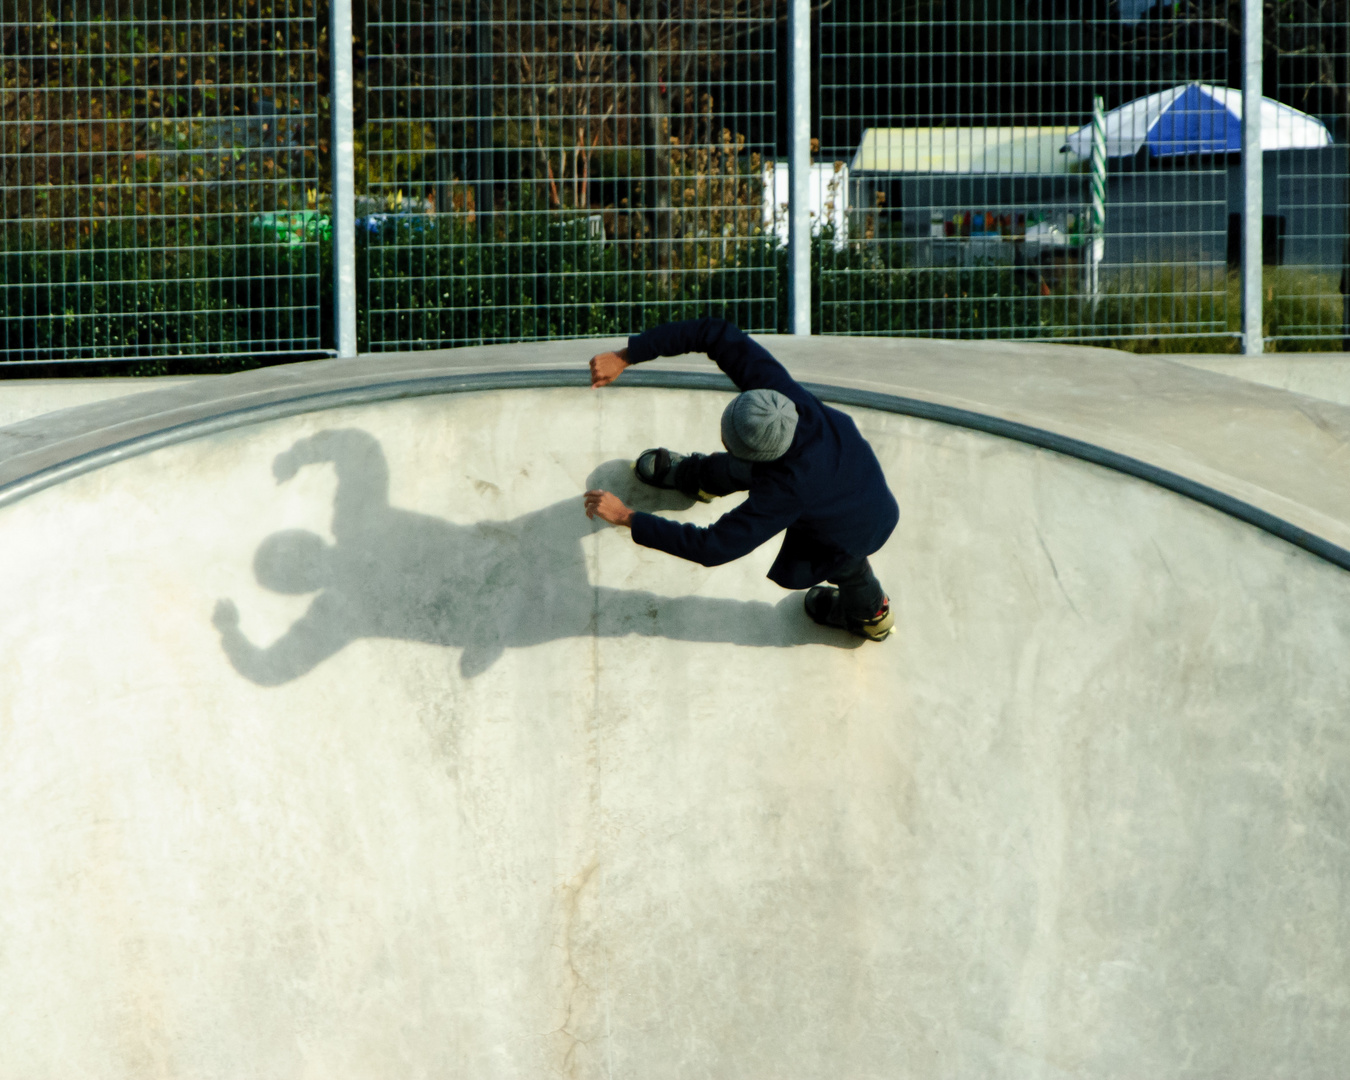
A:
[(484, 587)]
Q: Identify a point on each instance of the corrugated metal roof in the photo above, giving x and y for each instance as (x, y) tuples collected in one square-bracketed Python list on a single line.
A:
[(1009, 151)]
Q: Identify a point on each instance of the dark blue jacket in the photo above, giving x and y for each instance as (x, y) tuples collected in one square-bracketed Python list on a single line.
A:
[(827, 491)]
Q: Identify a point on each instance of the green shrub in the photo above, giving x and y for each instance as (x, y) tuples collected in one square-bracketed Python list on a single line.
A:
[(430, 282), (177, 296), (165, 295)]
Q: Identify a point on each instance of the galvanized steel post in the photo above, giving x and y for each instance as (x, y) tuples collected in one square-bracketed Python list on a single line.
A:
[(799, 168), (344, 177), (1253, 39)]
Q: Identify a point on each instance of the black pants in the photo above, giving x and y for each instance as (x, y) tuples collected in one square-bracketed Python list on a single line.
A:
[(722, 474)]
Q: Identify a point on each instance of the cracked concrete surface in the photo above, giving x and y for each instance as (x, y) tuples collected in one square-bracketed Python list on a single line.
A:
[(1083, 816)]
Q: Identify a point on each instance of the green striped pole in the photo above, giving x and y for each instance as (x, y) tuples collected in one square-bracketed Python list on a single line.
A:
[(1097, 245)]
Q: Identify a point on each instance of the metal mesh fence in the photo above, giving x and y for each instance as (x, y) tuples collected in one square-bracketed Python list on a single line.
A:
[(956, 170), (529, 169), (1305, 247), (159, 169), (542, 170)]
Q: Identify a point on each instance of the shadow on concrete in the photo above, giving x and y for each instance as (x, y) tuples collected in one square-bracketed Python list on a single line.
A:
[(484, 588)]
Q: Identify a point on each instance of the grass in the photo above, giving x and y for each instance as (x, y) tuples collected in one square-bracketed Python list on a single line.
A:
[(1157, 309), (1178, 309)]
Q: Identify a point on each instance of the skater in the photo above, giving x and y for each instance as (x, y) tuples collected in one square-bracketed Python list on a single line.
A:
[(805, 465)]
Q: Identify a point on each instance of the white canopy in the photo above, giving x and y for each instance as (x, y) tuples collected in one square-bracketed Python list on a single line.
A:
[(1197, 118)]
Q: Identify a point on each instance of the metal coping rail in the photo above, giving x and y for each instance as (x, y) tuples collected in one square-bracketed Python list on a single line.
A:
[(469, 382)]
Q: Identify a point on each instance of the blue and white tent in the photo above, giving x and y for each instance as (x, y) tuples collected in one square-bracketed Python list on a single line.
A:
[(1197, 119)]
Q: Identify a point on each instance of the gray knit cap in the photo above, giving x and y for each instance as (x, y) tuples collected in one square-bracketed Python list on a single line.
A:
[(759, 424)]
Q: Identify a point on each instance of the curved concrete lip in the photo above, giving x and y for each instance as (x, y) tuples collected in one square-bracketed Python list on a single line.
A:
[(1274, 459)]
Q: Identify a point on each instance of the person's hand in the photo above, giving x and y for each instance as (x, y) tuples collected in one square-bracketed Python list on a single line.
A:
[(226, 616), (607, 367), (607, 507)]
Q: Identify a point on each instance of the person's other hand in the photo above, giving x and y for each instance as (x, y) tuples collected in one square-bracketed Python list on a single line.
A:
[(607, 367), (607, 507)]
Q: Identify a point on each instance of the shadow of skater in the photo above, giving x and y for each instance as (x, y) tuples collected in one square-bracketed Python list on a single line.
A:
[(483, 588)]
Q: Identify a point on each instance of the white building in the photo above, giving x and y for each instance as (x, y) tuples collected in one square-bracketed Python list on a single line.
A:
[(829, 199)]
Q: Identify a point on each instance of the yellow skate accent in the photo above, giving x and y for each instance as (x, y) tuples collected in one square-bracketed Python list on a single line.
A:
[(882, 628)]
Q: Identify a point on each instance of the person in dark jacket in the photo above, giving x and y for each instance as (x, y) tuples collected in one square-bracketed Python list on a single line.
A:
[(805, 465)]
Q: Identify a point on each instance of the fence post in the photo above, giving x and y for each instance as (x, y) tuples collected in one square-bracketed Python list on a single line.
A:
[(799, 168), (1253, 39), (344, 177)]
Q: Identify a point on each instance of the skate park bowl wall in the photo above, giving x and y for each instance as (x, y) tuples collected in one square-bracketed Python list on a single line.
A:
[(338, 743)]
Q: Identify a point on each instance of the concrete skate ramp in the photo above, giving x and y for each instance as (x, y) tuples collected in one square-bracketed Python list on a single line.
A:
[(337, 743)]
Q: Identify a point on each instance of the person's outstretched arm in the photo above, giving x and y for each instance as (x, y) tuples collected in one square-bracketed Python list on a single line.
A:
[(747, 362), (764, 514)]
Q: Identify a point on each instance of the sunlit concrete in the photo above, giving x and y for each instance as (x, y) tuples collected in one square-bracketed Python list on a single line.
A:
[(1319, 375), (504, 795), (23, 399)]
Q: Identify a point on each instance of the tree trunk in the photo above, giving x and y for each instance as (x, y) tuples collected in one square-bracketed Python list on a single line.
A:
[(445, 77), (485, 189), (656, 183)]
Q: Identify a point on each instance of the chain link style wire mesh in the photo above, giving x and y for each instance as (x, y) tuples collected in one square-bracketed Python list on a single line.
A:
[(534, 170), (1306, 249), (159, 164), (530, 169), (951, 207)]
